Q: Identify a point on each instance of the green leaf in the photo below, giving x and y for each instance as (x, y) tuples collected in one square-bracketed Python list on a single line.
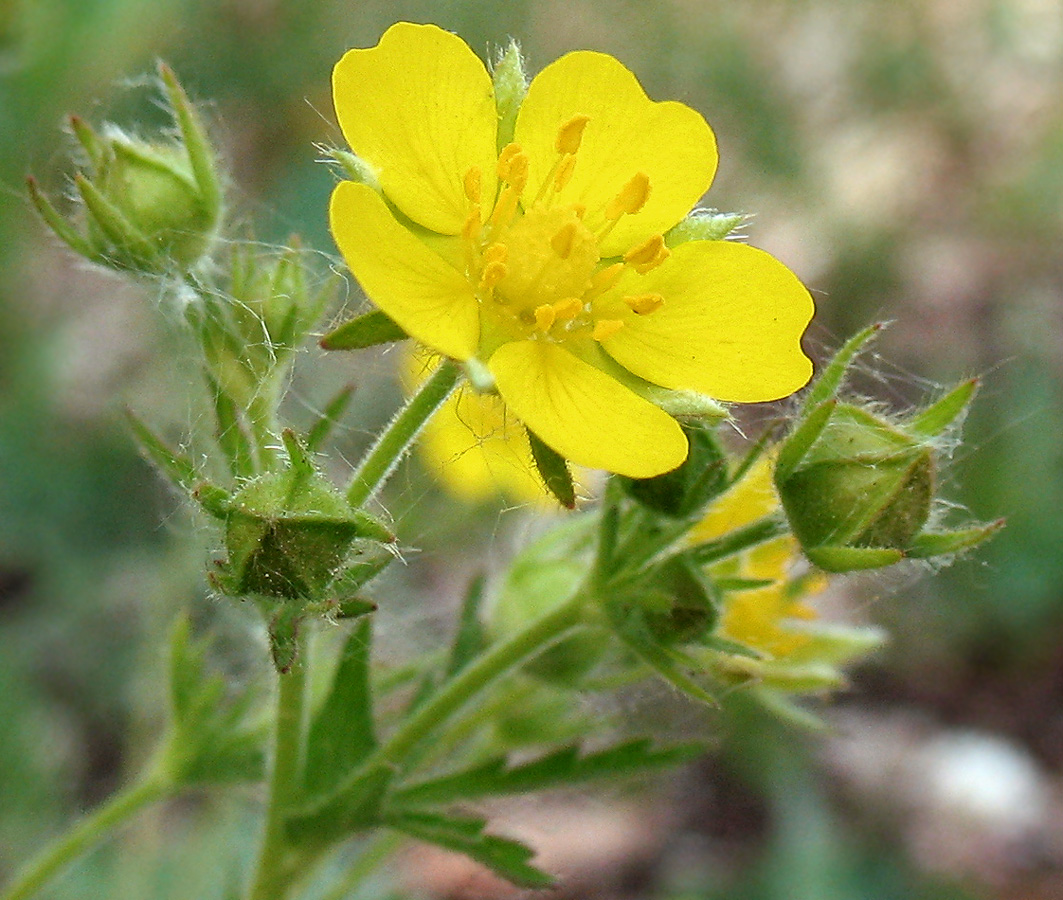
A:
[(341, 733), (366, 330), (554, 471), (562, 767), (503, 856), (356, 808), (469, 639)]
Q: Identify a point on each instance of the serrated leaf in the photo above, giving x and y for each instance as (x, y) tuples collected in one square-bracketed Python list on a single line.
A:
[(565, 766), (366, 330), (341, 733), (503, 856)]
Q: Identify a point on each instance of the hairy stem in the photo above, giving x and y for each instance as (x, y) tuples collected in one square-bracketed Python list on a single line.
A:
[(277, 866)]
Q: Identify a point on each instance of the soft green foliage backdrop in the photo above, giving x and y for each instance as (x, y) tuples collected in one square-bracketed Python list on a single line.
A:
[(904, 157)]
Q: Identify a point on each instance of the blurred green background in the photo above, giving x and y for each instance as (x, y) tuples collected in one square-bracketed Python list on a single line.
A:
[(904, 157)]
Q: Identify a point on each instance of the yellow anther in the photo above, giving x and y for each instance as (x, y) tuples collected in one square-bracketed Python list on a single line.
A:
[(568, 308), (570, 135), (562, 241), (545, 316), (579, 210), (605, 278), (644, 304), (473, 183), (606, 328), (492, 273), (513, 166), (496, 253), (647, 255), (563, 175), (631, 199)]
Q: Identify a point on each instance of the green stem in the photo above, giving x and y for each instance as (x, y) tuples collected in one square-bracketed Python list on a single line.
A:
[(90, 831), (400, 433), (277, 866), (496, 661), (757, 532)]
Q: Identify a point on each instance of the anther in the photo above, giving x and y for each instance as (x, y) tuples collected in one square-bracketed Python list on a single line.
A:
[(473, 183), (644, 304), (568, 308), (604, 279), (513, 166), (647, 255), (606, 328), (496, 253), (545, 317), (570, 135), (631, 199), (492, 273)]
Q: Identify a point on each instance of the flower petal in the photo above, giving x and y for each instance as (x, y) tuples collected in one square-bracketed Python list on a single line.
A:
[(730, 326), (627, 133), (420, 109), (583, 414), (427, 296)]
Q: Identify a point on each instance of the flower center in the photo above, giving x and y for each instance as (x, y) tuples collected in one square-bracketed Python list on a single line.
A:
[(534, 263)]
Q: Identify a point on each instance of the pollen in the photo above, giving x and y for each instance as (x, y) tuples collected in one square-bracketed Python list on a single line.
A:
[(570, 135), (631, 199), (606, 328), (492, 273), (513, 166), (644, 304), (545, 316)]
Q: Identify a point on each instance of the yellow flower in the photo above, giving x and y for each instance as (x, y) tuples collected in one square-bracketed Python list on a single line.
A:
[(762, 618), (545, 258)]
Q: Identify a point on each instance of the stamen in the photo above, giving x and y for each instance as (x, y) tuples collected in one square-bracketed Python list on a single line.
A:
[(513, 166), (644, 304), (492, 273), (545, 316), (604, 279), (562, 241), (496, 253), (606, 328), (631, 199), (473, 183), (471, 229), (568, 308), (563, 175), (647, 255), (570, 135)]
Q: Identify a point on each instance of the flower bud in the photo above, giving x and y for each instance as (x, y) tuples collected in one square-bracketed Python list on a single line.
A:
[(857, 488), (151, 207)]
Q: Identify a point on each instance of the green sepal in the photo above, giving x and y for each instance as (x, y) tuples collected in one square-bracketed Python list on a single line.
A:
[(554, 471), (830, 379), (563, 767), (367, 330), (355, 808), (689, 488), (937, 417), (230, 433), (510, 87), (351, 608), (284, 637), (704, 225), (938, 543), (177, 467), (798, 443), (341, 733), (62, 229), (503, 856), (852, 559)]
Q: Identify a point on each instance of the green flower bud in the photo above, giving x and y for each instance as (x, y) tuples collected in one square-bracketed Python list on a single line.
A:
[(151, 207), (289, 533), (704, 225), (858, 489), (511, 86)]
